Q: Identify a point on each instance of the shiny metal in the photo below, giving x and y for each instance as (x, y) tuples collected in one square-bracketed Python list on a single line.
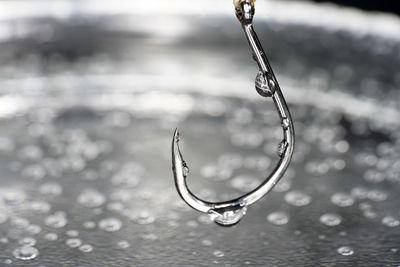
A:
[(230, 212)]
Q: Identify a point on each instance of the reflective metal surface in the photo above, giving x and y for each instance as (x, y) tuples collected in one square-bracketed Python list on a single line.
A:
[(90, 95)]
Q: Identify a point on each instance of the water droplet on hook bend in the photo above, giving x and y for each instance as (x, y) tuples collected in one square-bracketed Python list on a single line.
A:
[(282, 148), (227, 216)]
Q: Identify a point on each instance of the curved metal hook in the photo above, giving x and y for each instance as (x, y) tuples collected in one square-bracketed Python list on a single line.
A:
[(230, 212)]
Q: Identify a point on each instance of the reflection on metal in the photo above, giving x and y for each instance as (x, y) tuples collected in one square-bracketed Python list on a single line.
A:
[(230, 212)]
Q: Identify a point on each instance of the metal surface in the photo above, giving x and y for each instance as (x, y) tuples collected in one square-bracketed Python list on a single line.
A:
[(90, 95)]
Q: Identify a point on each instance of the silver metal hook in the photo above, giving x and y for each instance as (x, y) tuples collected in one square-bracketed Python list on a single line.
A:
[(228, 213)]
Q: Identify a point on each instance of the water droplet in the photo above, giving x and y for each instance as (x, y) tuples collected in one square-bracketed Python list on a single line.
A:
[(390, 221), (206, 242), (57, 220), (374, 176), (377, 195), (370, 214), (345, 250), (39, 206), (33, 229), (359, 192), (51, 189), (19, 222), (285, 123), (72, 163), (282, 148), (91, 198), (143, 218), (73, 242), (342, 146), (297, 198), (264, 86), (14, 197), (185, 170), (278, 218), (330, 219), (123, 244), (110, 224), (227, 217), (342, 199), (86, 248), (72, 233), (218, 253), (25, 253), (51, 236)]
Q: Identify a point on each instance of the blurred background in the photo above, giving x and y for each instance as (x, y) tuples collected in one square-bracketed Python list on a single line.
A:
[(91, 92)]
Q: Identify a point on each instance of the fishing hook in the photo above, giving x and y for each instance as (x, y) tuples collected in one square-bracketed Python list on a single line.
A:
[(230, 212)]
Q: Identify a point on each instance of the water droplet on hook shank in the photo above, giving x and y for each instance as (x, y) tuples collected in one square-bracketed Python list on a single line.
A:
[(285, 123), (264, 86), (228, 216), (185, 170)]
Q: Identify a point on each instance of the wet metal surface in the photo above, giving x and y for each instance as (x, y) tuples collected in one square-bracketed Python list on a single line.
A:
[(88, 109)]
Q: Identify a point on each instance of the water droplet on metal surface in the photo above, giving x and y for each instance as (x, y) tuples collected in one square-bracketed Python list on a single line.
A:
[(86, 248), (26, 253), (345, 251), (219, 254), (342, 199), (390, 221), (297, 198), (330, 219), (110, 224), (73, 242), (91, 198)]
